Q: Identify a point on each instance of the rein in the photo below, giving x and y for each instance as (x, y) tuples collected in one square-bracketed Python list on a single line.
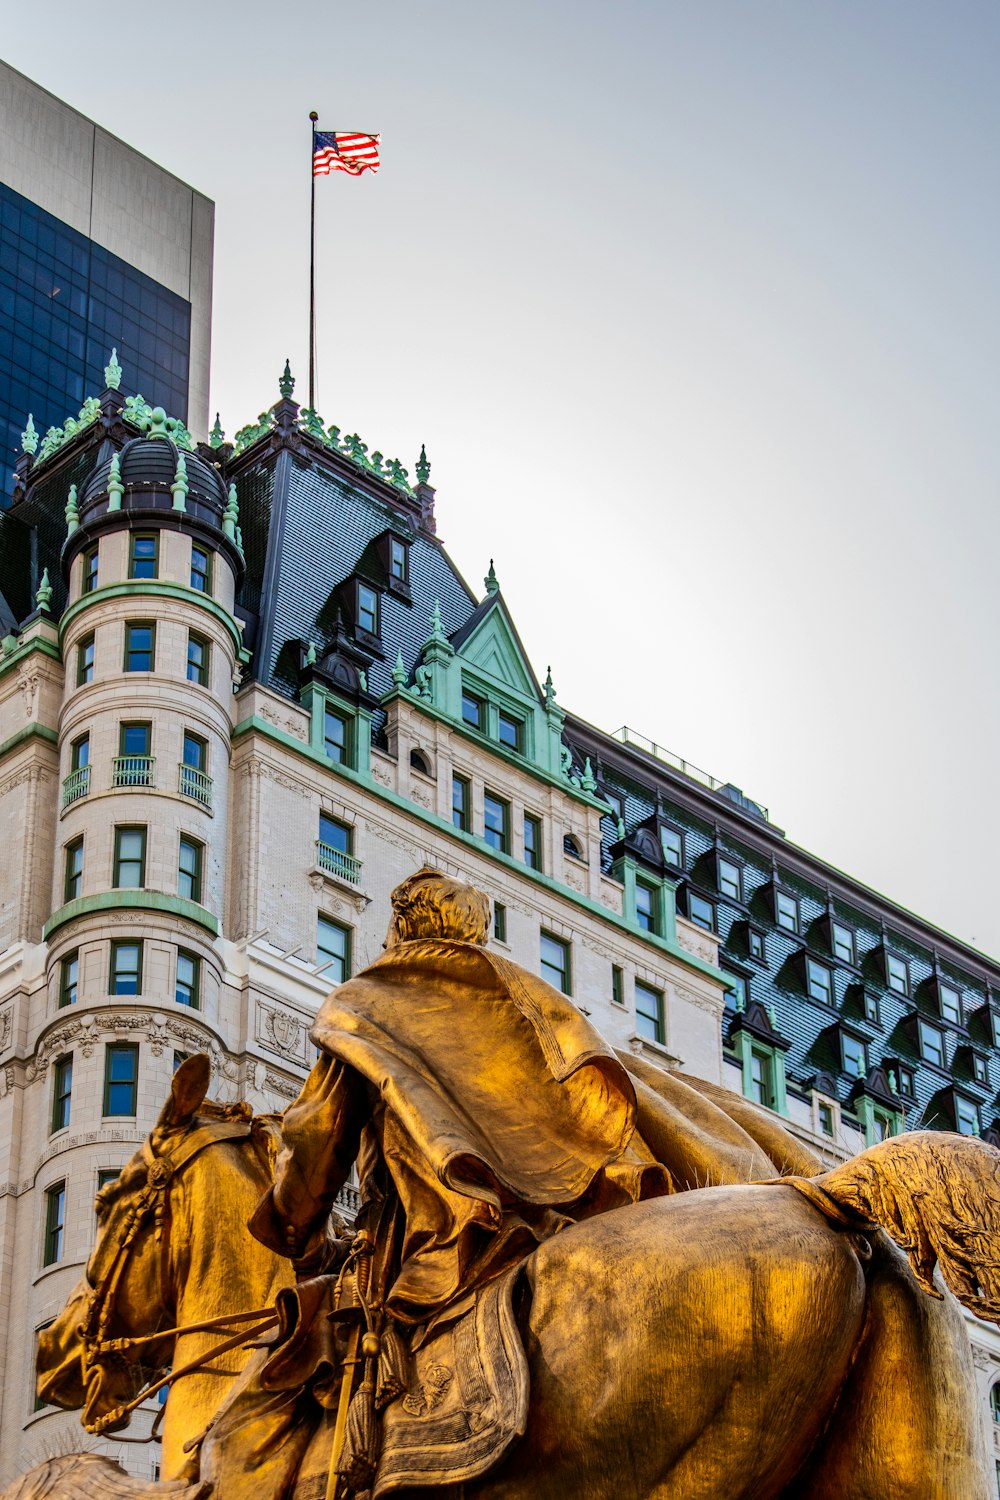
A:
[(153, 1200)]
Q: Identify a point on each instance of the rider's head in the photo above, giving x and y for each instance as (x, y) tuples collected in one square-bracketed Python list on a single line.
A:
[(432, 905)]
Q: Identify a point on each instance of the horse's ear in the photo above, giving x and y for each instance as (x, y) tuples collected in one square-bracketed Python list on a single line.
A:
[(187, 1091)]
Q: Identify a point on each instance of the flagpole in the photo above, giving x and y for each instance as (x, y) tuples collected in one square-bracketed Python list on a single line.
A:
[(313, 117)]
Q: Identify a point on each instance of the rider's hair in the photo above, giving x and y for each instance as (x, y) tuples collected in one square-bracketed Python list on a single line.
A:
[(431, 904)]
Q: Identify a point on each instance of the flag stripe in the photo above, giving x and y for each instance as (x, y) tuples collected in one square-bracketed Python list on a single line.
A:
[(348, 151)]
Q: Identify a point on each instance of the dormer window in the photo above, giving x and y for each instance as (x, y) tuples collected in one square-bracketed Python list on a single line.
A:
[(979, 1069), (819, 982), (672, 841), (897, 973), (966, 1115), (397, 560), (367, 617), (853, 1054), (730, 879), (903, 1077), (473, 711), (949, 1000), (931, 1044), (786, 910), (510, 731), (843, 943), (391, 552)]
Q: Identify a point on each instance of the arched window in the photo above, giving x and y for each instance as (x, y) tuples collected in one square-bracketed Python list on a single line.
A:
[(572, 846), (419, 762)]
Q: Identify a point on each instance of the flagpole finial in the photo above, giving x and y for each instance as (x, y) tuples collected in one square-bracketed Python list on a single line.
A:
[(313, 116)]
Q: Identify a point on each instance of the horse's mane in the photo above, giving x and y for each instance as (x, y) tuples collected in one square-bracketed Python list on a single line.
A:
[(264, 1140)]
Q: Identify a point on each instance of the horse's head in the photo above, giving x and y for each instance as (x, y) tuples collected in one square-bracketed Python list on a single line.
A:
[(102, 1349)]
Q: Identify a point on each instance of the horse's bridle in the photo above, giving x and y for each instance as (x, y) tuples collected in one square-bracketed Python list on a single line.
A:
[(153, 1201)]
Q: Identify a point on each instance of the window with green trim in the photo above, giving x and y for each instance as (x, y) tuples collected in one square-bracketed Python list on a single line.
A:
[(80, 753), (55, 1222), (648, 1012), (646, 906), (90, 566), (73, 881), (995, 1405), (496, 822), (510, 731), (198, 656), (187, 989), (143, 554), (130, 858), (555, 962), (617, 985), (85, 660), (121, 1078), (883, 1125), (499, 921), (461, 802), (195, 751), (140, 646), (189, 869), (762, 1077), (69, 975), (337, 736), (824, 1114), (333, 949), (62, 1089), (126, 968), (532, 841), (201, 569), (474, 712)]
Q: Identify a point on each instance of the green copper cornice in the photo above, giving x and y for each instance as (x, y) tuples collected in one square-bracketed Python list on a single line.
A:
[(439, 825), (151, 590), (12, 658), (32, 731), (151, 901)]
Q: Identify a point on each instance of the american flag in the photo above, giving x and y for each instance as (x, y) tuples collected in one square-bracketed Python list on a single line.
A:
[(344, 151)]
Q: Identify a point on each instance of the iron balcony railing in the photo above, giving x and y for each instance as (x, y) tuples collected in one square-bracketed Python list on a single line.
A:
[(133, 770), (336, 862), (75, 785), (196, 784)]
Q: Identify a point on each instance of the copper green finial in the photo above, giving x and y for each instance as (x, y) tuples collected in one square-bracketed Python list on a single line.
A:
[(113, 372), (589, 780), (492, 587), (157, 424), (437, 629), (216, 437), (29, 437), (72, 511), (311, 655), (179, 488), (550, 692), (286, 384), (44, 592), (232, 514), (399, 671), (423, 466), (115, 487)]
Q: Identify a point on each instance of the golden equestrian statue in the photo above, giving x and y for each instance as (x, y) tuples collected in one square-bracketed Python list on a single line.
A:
[(571, 1275)]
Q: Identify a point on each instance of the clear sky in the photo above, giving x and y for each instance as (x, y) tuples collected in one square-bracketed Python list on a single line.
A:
[(695, 305)]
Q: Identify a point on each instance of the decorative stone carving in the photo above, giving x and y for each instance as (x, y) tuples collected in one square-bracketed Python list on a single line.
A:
[(281, 1031), (6, 1028), (285, 1088), (28, 680), (381, 775)]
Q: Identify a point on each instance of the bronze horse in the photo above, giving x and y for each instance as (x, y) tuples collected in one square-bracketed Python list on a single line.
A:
[(759, 1342)]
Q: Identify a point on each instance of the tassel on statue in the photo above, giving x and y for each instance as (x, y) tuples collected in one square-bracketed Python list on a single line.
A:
[(393, 1367), (359, 1457)]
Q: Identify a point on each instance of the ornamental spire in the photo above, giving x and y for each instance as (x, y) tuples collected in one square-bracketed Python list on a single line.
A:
[(216, 437), (113, 372), (232, 514), (115, 487), (492, 586), (286, 384), (72, 511), (179, 488), (29, 437), (423, 466), (44, 592)]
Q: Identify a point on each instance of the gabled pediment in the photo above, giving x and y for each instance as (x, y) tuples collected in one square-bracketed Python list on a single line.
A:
[(489, 643)]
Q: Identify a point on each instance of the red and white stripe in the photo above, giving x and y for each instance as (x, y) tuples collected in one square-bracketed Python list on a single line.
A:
[(355, 154)]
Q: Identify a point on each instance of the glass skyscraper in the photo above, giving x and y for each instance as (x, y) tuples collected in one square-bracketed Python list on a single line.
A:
[(65, 302)]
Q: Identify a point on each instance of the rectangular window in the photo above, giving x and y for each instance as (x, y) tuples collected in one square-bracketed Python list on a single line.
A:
[(189, 869), (106, 1175), (335, 736), (73, 883), (80, 753), (69, 977), (844, 943), (85, 660), (979, 1069), (966, 1116), (134, 766), (496, 818), (90, 562), (648, 1012), (617, 985), (738, 990), (786, 911), (950, 1003), (197, 659), (367, 609), (819, 982), (870, 1005), (701, 912), (201, 570), (140, 647), (904, 1079), (730, 880), (555, 963), (473, 711), (55, 1218), (460, 800), (645, 906), (335, 848), (333, 949), (755, 944), (672, 841), (511, 732), (62, 1088), (824, 1113), (897, 974), (532, 841), (187, 990), (854, 1054), (762, 1077), (195, 751), (121, 1078), (126, 969), (397, 560), (143, 555), (931, 1044), (335, 835), (130, 859), (499, 921)]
